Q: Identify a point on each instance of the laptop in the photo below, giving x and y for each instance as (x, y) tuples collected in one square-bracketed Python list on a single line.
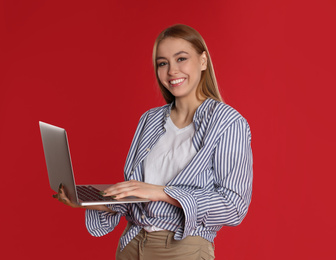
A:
[(59, 167)]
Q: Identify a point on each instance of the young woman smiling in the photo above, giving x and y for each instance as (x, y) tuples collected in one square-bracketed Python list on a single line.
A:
[(191, 158)]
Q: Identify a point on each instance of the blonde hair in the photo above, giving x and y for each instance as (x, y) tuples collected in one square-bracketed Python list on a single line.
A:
[(207, 87)]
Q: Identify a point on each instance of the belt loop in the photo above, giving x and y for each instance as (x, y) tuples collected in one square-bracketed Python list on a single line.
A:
[(145, 237), (140, 250), (169, 238), (142, 242)]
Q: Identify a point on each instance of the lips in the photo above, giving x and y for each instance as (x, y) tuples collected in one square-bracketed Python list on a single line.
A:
[(176, 82)]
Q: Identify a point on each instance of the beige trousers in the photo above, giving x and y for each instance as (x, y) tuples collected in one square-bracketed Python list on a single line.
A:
[(160, 245)]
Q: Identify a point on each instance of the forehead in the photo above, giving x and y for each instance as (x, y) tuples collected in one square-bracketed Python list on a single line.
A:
[(170, 46)]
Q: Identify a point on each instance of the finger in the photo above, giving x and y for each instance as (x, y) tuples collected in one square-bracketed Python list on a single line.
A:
[(61, 194), (120, 187), (131, 191), (65, 201), (120, 191), (60, 188)]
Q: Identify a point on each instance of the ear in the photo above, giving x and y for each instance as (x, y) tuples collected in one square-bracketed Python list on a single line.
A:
[(204, 61)]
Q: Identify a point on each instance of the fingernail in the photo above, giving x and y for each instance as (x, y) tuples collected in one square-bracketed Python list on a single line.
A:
[(102, 193)]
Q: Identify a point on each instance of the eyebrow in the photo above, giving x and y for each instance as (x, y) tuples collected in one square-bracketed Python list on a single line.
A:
[(176, 54)]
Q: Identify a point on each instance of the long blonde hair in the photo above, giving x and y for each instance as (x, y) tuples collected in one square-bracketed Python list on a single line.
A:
[(207, 87)]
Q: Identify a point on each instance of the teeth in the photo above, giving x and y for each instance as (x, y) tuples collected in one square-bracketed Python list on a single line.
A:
[(176, 81)]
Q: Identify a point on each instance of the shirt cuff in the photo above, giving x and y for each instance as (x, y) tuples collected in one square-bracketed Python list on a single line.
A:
[(189, 206), (100, 223)]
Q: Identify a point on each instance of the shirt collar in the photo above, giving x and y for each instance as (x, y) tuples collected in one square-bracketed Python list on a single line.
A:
[(198, 113), (167, 111), (201, 109)]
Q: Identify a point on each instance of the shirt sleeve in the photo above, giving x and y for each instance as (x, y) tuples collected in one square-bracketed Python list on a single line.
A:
[(100, 223), (132, 152), (228, 202)]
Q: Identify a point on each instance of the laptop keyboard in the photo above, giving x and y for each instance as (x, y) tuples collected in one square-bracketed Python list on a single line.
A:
[(89, 193)]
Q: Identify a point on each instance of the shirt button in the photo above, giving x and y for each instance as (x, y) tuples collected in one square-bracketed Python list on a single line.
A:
[(167, 115), (148, 149), (131, 172), (170, 187), (143, 216)]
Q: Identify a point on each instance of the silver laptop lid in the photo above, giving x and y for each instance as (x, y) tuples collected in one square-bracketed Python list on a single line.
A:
[(58, 160)]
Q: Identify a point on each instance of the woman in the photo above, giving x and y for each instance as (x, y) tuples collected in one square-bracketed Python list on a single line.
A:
[(191, 158)]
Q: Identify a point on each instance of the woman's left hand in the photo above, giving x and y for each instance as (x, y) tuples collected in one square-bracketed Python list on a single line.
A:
[(135, 188), (140, 189)]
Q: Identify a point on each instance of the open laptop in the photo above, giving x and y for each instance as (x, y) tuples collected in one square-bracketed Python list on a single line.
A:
[(59, 166)]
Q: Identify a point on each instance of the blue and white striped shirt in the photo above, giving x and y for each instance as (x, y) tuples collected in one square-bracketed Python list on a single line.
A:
[(214, 189)]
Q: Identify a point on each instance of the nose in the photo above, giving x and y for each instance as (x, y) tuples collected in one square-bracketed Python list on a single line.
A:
[(173, 69)]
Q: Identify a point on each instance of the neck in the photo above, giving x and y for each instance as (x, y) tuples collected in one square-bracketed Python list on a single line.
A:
[(184, 110)]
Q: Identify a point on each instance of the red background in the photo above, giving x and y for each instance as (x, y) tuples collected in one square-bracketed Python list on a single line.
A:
[(86, 66)]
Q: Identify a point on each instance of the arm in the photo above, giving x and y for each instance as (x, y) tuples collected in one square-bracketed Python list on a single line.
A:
[(227, 204), (142, 190), (100, 223), (99, 219)]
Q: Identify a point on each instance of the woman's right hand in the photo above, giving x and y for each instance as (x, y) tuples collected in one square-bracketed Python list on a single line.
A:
[(62, 197)]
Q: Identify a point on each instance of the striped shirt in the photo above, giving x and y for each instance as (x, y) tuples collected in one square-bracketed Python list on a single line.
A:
[(214, 189)]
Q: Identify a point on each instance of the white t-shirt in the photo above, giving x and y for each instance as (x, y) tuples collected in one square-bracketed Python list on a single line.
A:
[(169, 156)]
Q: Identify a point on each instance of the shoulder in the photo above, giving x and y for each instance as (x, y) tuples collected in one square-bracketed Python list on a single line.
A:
[(227, 114), (158, 110), (218, 117), (221, 112), (155, 113)]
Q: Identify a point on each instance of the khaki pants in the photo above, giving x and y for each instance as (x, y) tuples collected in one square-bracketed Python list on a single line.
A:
[(160, 245)]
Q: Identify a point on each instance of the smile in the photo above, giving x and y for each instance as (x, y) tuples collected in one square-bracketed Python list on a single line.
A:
[(176, 82)]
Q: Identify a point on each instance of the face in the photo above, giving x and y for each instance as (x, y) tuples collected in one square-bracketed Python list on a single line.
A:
[(179, 67)]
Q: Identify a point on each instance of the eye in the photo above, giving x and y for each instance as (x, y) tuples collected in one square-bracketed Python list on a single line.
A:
[(181, 59), (160, 64)]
